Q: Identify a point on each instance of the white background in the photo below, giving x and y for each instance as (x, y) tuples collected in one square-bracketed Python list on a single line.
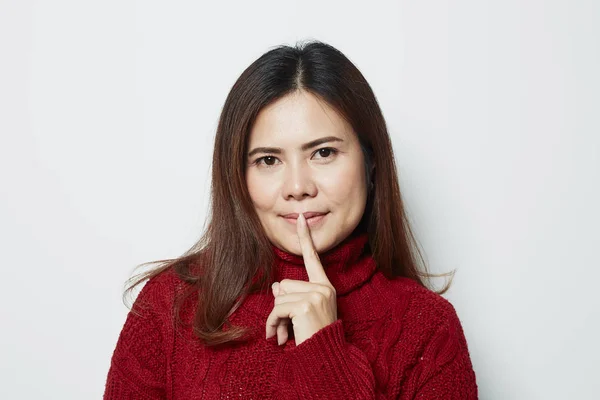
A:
[(107, 115)]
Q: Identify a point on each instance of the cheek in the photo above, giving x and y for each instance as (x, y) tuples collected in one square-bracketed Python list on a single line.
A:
[(262, 191), (345, 185)]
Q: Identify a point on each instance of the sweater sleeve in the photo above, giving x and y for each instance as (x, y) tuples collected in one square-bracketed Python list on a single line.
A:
[(327, 366), (444, 370), (138, 364)]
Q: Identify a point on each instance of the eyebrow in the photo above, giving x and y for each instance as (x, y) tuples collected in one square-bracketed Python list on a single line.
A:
[(304, 147)]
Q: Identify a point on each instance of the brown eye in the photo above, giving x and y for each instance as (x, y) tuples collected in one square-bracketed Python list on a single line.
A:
[(325, 152), (269, 160), (266, 161)]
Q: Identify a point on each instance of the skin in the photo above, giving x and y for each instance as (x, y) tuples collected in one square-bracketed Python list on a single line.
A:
[(315, 179), (287, 178), (309, 306)]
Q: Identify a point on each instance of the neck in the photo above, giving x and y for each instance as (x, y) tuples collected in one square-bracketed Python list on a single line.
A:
[(347, 265)]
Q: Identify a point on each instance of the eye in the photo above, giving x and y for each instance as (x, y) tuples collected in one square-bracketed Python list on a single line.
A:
[(269, 161), (326, 152)]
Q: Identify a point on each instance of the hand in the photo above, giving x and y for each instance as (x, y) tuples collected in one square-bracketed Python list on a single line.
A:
[(310, 305)]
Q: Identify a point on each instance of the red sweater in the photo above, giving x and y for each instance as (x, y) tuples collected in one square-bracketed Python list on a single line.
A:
[(393, 339)]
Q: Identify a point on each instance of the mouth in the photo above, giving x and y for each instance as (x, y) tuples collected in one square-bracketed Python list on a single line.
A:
[(312, 218)]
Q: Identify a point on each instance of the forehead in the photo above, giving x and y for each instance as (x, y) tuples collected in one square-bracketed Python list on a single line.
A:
[(298, 118)]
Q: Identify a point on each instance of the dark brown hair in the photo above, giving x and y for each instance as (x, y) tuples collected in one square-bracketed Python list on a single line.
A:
[(222, 267)]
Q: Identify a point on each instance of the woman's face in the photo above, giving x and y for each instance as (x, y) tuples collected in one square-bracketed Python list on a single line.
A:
[(304, 158)]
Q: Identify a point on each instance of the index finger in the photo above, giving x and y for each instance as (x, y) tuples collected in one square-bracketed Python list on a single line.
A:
[(314, 268)]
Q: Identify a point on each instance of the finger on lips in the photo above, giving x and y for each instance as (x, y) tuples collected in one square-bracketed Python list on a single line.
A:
[(314, 269), (291, 295)]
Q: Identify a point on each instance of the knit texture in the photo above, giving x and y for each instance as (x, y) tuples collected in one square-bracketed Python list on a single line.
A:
[(393, 339)]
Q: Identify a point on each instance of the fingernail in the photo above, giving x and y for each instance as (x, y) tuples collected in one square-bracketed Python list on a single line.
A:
[(275, 287)]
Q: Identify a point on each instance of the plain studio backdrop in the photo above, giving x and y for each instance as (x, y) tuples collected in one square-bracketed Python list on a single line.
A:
[(108, 111)]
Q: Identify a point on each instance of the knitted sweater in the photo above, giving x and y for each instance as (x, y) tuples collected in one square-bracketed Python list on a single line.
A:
[(393, 339)]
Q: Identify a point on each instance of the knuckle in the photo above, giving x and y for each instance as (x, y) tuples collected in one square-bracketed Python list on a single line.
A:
[(330, 292), (317, 297), (306, 307)]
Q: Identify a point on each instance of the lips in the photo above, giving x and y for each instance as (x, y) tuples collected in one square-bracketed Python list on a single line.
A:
[(307, 215), (314, 219)]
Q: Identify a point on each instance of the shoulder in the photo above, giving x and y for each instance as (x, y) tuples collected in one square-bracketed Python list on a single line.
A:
[(423, 325), (157, 294), (146, 338), (419, 308)]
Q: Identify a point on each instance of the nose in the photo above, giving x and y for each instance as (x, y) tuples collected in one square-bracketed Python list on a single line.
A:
[(299, 182)]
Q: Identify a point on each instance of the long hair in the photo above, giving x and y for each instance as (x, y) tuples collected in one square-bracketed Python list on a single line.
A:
[(234, 257)]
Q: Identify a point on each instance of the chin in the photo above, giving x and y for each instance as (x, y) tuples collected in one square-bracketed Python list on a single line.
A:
[(323, 239), (320, 244), (293, 245)]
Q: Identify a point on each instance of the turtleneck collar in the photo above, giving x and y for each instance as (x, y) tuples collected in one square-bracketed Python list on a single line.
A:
[(347, 265)]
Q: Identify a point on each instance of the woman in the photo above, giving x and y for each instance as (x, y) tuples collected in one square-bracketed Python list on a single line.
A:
[(305, 283)]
